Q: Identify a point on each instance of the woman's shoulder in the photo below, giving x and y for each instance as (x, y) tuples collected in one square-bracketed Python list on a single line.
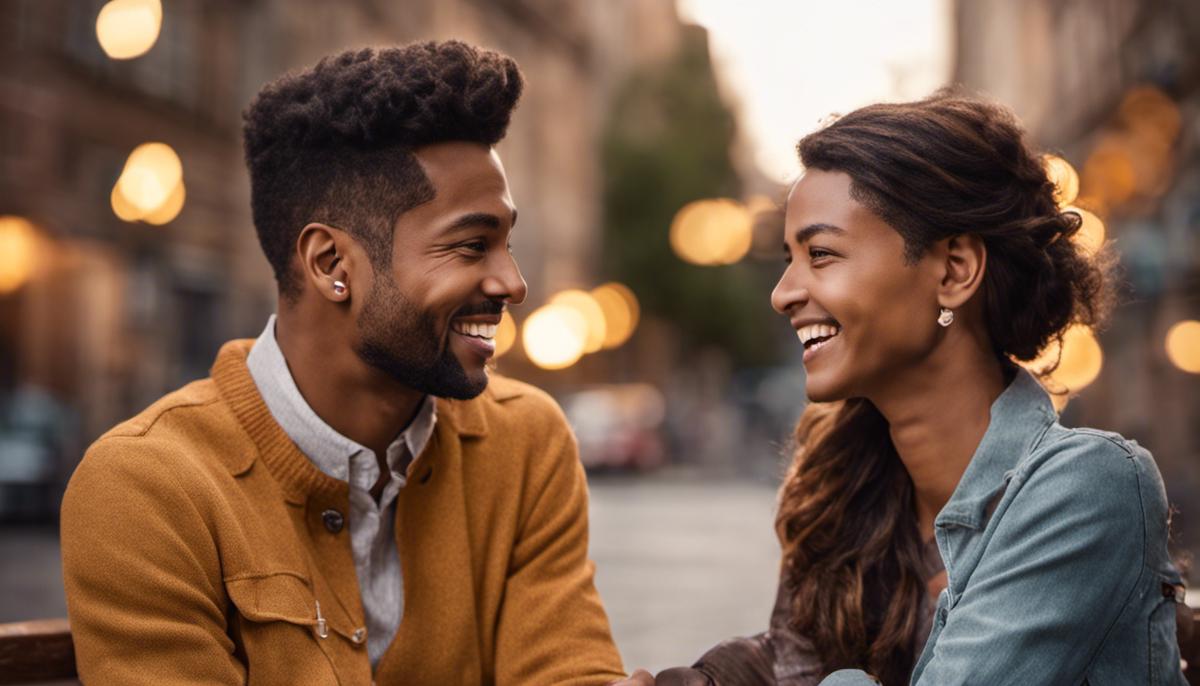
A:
[(1094, 470), (1084, 453)]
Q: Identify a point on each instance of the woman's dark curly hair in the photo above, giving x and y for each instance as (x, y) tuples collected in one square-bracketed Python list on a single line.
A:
[(939, 167), (334, 143)]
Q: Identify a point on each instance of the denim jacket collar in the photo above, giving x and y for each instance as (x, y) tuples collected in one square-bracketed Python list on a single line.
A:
[(1019, 418)]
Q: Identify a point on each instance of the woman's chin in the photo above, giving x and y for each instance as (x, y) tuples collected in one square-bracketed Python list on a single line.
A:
[(821, 391)]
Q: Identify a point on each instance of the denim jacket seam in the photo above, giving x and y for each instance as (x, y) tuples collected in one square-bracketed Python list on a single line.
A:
[(1117, 441)]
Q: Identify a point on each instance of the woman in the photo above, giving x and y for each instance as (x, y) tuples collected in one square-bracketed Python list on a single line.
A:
[(926, 253)]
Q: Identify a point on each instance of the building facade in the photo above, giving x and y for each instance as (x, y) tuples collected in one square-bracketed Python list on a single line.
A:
[(117, 313)]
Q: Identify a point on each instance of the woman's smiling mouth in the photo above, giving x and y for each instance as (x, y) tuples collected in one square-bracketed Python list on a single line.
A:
[(814, 337)]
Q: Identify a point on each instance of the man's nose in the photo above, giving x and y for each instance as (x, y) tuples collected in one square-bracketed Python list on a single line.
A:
[(506, 282)]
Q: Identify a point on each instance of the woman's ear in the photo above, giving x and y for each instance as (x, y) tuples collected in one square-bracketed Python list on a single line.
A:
[(323, 252), (965, 262)]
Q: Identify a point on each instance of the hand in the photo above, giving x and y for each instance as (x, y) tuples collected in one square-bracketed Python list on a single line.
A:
[(640, 677), (683, 676)]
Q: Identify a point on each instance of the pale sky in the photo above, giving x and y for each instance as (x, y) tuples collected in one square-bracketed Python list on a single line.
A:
[(787, 64)]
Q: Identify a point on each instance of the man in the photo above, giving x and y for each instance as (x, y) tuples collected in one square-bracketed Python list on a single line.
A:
[(352, 467)]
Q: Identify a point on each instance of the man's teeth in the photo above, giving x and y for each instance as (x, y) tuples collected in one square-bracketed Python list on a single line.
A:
[(476, 330), (812, 332)]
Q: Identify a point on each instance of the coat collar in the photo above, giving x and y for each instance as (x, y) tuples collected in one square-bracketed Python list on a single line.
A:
[(466, 418), (1019, 417)]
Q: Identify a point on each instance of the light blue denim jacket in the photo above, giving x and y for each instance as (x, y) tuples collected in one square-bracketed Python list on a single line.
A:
[(1055, 546)]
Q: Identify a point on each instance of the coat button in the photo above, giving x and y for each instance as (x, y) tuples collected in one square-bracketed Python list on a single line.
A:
[(334, 521), (359, 636)]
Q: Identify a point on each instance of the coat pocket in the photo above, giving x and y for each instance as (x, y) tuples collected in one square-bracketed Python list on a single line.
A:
[(277, 628), (274, 597)]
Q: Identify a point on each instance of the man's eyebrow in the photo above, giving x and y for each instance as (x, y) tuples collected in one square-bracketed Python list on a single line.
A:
[(804, 235), (476, 219)]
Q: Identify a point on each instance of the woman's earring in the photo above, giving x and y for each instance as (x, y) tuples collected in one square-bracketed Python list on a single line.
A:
[(339, 288), (946, 317)]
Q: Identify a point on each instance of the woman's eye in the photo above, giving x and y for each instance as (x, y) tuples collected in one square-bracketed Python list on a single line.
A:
[(818, 253)]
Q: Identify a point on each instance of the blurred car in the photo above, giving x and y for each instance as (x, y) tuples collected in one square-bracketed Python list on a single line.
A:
[(619, 426)]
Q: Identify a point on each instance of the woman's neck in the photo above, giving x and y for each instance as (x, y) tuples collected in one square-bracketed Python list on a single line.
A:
[(937, 416)]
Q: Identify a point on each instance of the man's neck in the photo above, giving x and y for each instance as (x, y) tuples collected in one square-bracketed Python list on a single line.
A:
[(355, 399), (937, 416)]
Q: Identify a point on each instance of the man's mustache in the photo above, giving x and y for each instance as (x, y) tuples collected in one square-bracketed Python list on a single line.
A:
[(486, 307)]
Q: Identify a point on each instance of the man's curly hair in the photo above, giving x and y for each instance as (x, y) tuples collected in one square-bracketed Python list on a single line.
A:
[(334, 144)]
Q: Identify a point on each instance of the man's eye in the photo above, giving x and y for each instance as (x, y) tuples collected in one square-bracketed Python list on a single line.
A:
[(476, 246)]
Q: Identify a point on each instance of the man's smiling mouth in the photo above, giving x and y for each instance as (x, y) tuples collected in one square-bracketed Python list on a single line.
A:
[(486, 332)]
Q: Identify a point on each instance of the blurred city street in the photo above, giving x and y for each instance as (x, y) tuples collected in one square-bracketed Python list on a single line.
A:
[(681, 565), (650, 158)]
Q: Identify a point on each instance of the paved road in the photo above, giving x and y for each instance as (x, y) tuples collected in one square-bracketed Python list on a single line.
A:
[(681, 565)]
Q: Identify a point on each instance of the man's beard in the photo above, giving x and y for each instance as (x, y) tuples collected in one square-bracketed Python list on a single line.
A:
[(403, 342)]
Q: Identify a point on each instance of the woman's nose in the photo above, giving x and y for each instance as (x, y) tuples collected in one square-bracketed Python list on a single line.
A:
[(789, 293)]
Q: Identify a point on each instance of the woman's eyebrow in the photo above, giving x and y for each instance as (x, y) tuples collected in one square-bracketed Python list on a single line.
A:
[(805, 234)]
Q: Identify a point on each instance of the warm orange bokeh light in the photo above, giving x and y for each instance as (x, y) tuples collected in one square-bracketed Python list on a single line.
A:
[(1183, 346), (712, 232), (621, 312), (169, 209), (1109, 172), (1091, 232), (128, 28), (18, 252), (593, 316), (1064, 177), (506, 334), (554, 336), (1081, 362), (151, 187)]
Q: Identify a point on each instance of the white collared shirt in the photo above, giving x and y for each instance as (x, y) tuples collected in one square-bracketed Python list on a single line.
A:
[(372, 525)]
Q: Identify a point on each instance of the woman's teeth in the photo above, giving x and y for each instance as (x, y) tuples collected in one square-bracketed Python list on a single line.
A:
[(816, 333), (487, 331)]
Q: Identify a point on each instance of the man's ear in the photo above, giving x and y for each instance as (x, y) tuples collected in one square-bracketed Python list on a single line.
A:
[(324, 252), (965, 260)]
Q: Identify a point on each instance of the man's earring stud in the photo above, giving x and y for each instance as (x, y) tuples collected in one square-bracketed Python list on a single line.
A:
[(339, 288), (946, 317)]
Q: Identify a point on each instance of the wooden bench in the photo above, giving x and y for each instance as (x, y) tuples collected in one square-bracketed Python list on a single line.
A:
[(36, 652), (41, 652)]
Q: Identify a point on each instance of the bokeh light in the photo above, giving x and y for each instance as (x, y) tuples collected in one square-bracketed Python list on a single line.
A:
[(128, 28), (1183, 346), (18, 252), (150, 187), (554, 336), (169, 209), (593, 316), (621, 312), (712, 232), (1081, 362), (1064, 177), (1148, 107), (506, 334), (1091, 232), (1109, 171)]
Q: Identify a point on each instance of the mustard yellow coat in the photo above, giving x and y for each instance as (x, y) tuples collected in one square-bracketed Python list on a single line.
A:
[(195, 551)]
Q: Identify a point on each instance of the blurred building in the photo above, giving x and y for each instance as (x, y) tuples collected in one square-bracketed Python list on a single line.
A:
[(1114, 86), (116, 313)]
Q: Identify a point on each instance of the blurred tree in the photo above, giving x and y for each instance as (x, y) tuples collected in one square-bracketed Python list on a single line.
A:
[(667, 142)]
